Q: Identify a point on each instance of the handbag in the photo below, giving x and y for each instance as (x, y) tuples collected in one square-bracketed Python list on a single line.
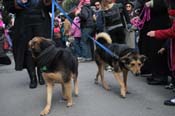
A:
[(144, 16)]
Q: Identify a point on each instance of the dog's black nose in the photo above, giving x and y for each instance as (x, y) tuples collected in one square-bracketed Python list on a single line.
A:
[(137, 74)]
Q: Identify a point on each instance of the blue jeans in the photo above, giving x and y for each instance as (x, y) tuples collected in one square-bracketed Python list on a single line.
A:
[(87, 43), (77, 44)]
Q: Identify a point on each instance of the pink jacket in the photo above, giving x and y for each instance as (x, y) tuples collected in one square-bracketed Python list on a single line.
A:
[(168, 33), (75, 31)]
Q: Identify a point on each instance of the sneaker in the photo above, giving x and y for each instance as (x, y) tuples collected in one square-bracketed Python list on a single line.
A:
[(108, 68), (88, 59), (79, 58), (170, 86), (170, 102), (85, 59)]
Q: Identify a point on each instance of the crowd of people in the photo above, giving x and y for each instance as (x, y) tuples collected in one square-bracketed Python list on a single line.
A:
[(155, 39)]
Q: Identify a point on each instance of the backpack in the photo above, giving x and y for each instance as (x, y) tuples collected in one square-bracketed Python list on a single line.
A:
[(87, 19), (112, 16)]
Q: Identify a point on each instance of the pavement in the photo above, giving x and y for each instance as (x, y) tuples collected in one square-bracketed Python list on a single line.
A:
[(16, 99)]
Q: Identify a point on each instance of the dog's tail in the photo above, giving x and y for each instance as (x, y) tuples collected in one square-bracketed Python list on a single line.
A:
[(103, 38)]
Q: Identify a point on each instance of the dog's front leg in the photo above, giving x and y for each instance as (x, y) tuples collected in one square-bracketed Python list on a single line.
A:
[(125, 77), (49, 99), (118, 77), (97, 76), (63, 92), (76, 86), (68, 92), (101, 71)]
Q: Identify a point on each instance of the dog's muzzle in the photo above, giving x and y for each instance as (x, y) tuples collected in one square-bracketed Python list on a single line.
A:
[(137, 74)]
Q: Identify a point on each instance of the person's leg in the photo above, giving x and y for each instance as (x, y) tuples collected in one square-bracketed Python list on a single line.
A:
[(76, 47), (41, 29), (79, 47), (30, 65), (159, 68), (86, 51), (40, 77), (4, 59)]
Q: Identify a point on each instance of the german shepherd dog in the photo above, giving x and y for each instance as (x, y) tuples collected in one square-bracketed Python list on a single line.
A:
[(128, 60), (58, 65)]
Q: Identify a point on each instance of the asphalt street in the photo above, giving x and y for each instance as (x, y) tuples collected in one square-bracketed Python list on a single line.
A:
[(16, 99)]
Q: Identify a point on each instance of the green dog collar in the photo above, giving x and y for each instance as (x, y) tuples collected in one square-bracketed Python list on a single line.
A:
[(43, 69)]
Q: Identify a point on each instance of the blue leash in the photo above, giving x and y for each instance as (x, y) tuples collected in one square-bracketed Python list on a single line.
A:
[(64, 13)]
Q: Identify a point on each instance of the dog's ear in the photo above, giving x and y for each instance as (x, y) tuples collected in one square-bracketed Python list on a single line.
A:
[(143, 58), (125, 60), (45, 43)]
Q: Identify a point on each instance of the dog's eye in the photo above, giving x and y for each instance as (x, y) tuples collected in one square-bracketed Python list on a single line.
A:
[(132, 64), (139, 64)]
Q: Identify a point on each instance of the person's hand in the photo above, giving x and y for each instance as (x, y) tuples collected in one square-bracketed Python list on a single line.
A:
[(151, 34), (149, 3), (78, 10), (161, 51)]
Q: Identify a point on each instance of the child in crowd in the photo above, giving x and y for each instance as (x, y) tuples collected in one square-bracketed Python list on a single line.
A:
[(76, 33), (57, 37)]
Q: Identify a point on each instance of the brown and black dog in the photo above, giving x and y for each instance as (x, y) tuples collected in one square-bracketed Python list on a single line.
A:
[(58, 65), (128, 60)]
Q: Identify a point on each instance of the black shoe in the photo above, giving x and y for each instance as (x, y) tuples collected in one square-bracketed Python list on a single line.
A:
[(145, 73), (170, 102), (149, 79), (5, 60), (156, 82), (33, 79), (41, 82), (33, 84)]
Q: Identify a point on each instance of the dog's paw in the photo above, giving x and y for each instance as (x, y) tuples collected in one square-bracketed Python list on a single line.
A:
[(123, 93), (45, 111), (69, 104), (96, 81), (122, 96), (64, 98), (107, 88), (128, 92), (76, 95), (76, 92)]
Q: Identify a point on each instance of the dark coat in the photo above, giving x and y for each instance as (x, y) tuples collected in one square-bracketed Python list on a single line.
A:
[(29, 23), (168, 33), (148, 46)]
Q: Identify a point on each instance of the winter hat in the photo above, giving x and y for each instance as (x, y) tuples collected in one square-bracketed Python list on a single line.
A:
[(85, 1)]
